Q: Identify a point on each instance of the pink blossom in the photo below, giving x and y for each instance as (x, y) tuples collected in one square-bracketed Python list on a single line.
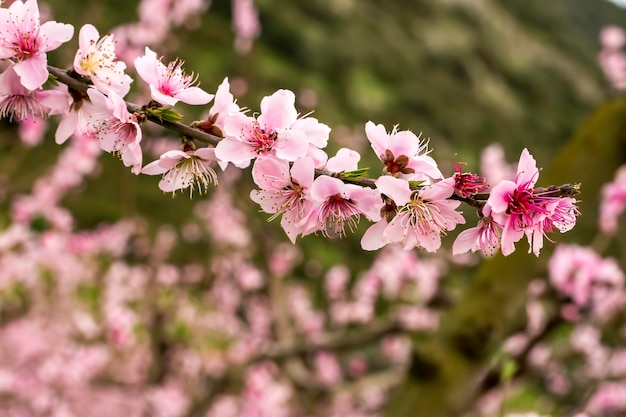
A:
[(18, 102), (223, 106), (467, 184), (522, 210), (327, 368), (115, 128), (76, 120), (402, 153), (246, 25), (284, 191), (337, 204), (277, 131), (25, 41), (612, 37), (493, 165), (32, 130), (346, 160), (613, 202), (97, 60), (422, 216), (512, 203), (170, 84), (586, 278), (484, 237), (184, 169)]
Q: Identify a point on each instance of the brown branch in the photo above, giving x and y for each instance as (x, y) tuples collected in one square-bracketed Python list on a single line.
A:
[(337, 341), (70, 79)]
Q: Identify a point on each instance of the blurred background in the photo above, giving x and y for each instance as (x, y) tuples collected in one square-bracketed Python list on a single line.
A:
[(465, 73)]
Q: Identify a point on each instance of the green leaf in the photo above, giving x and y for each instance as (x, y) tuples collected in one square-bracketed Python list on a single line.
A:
[(509, 368), (166, 114), (415, 184), (357, 173)]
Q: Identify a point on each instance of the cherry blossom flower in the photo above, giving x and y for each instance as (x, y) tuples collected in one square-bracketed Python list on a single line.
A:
[(115, 128), (26, 42), (402, 153), (97, 60), (76, 120), (169, 84), (17, 102), (523, 210), (484, 237), (284, 191), (184, 169), (613, 202), (277, 131), (513, 205), (223, 106), (467, 184), (337, 204), (246, 25), (422, 216)]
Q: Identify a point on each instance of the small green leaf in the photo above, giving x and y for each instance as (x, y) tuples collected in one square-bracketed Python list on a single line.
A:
[(509, 368), (415, 184), (166, 114), (357, 173), (51, 81)]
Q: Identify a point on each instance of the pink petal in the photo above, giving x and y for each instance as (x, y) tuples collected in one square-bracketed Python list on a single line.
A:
[(291, 145), (194, 96), (325, 186), (527, 172), (33, 72), (499, 197), (466, 241), (373, 237), (278, 110), (239, 153), (153, 168), (208, 154), (367, 200), (303, 172), (146, 67), (316, 132), (439, 190), (404, 143), (159, 97), (378, 137), (55, 34), (270, 173), (87, 37), (395, 188), (345, 160)]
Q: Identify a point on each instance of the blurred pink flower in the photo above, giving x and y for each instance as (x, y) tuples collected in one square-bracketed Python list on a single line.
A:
[(613, 202)]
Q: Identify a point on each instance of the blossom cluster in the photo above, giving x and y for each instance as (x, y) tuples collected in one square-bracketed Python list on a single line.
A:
[(411, 204)]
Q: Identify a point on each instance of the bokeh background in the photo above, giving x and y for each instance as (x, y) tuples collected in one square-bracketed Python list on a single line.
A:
[(465, 73)]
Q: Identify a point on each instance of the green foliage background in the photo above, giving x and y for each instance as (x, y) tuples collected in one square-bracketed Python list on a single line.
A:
[(466, 73)]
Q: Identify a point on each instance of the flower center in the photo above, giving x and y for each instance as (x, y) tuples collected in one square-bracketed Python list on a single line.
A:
[(395, 165), (262, 140), (335, 213), (26, 45), (522, 208), (20, 106)]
